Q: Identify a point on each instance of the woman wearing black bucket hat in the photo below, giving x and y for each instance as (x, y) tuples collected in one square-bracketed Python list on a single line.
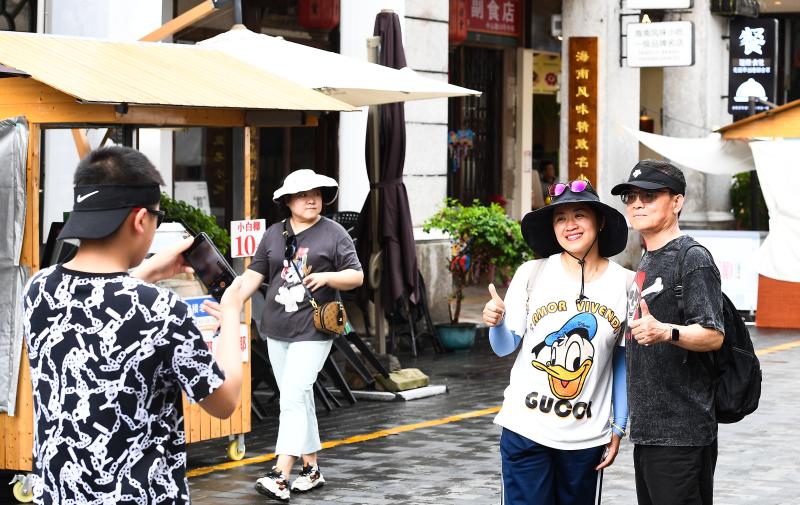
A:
[(566, 312)]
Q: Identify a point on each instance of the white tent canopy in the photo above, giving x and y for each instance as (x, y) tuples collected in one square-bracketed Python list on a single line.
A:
[(776, 163), (356, 82), (710, 155)]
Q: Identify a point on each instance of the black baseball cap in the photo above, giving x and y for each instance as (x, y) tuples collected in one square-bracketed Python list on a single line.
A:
[(644, 177), (99, 209)]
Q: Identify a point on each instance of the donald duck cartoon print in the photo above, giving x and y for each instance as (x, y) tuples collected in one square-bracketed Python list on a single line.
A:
[(566, 355)]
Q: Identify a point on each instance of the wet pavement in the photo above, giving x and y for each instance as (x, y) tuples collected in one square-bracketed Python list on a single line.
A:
[(455, 461)]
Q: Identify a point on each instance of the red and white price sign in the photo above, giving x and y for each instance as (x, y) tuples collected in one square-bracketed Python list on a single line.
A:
[(245, 237)]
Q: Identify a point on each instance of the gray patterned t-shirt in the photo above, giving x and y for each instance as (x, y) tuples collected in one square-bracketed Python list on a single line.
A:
[(109, 355), (324, 247), (670, 390)]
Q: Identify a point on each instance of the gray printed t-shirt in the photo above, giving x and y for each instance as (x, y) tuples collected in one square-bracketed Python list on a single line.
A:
[(670, 391), (324, 247)]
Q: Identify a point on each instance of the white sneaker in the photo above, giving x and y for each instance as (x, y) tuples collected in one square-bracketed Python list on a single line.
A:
[(309, 478), (274, 485)]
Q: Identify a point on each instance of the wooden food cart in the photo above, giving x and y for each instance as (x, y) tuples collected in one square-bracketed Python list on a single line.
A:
[(774, 295), (64, 82)]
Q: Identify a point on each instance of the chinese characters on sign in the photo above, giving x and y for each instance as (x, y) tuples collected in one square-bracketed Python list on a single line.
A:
[(667, 44), (582, 76), (208, 326), (245, 237), (500, 17), (754, 55)]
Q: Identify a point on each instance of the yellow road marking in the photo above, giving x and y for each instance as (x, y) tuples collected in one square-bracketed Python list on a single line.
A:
[(196, 472), (779, 348)]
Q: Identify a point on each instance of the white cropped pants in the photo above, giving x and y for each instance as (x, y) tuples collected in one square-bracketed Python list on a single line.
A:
[(296, 365)]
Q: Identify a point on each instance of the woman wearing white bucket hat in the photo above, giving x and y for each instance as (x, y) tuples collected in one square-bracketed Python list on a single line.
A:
[(304, 252)]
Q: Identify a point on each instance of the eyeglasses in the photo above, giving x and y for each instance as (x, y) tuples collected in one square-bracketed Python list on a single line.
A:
[(291, 247), (646, 196), (160, 214), (575, 186)]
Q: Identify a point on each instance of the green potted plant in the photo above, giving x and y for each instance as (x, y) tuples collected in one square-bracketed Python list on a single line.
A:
[(483, 240), (196, 220)]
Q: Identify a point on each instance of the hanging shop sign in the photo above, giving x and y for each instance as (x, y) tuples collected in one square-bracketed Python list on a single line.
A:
[(582, 99), (546, 72), (498, 17), (457, 26), (659, 4), (667, 44), (754, 59)]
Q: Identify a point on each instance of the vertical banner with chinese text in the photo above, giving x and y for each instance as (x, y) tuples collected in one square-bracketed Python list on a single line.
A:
[(582, 100)]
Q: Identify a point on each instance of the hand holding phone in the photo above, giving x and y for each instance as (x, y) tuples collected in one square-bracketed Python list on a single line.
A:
[(209, 265), (165, 264)]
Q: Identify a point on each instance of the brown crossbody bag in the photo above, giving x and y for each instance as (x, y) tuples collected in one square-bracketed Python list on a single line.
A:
[(329, 317)]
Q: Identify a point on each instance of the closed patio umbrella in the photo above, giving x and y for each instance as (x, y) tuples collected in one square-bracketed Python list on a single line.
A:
[(385, 223)]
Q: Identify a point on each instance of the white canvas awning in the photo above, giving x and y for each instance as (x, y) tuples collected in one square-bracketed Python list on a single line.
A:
[(710, 155), (350, 80), (153, 74), (776, 163)]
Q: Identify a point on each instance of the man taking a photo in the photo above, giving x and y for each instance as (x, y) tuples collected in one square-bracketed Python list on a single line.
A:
[(110, 352)]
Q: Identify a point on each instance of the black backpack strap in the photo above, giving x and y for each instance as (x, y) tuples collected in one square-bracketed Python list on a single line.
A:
[(678, 284), (705, 357)]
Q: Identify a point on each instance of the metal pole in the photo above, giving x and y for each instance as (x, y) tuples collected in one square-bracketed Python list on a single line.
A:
[(751, 110), (373, 132), (237, 12)]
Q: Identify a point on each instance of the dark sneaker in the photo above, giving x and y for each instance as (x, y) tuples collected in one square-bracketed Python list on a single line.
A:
[(309, 478), (274, 485)]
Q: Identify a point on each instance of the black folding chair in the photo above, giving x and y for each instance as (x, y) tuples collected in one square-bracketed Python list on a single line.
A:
[(347, 219), (413, 321)]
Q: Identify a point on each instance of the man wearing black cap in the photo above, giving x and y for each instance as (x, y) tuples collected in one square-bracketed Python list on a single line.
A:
[(670, 390), (109, 352)]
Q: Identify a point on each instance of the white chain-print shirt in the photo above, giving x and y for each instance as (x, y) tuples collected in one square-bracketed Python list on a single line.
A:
[(109, 355)]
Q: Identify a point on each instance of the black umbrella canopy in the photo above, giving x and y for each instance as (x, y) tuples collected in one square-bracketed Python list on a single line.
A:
[(395, 235)]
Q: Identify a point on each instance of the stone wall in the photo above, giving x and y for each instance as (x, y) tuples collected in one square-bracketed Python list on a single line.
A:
[(426, 45), (432, 258)]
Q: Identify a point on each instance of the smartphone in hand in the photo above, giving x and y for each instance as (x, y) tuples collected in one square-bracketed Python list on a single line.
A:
[(209, 265)]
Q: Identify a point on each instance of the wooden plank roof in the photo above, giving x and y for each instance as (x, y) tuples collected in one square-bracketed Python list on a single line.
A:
[(150, 73), (782, 121)]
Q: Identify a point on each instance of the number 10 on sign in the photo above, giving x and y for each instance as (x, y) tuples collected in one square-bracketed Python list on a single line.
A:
[(245, 237)]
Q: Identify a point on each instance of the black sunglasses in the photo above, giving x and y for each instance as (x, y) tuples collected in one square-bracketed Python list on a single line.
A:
[(646, 196), (160, 214), (291, 247)]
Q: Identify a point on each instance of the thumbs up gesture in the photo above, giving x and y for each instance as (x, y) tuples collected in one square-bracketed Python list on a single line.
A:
[(495, 309), (647, 329)]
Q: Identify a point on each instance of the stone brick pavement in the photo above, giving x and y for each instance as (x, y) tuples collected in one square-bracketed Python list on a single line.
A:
[(458, 463)]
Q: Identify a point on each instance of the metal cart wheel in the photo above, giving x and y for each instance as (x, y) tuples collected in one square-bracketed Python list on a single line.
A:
[(22, 490), (236, 448)]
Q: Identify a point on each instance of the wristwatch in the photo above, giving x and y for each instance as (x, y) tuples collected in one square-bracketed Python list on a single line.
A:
[(675, 334)]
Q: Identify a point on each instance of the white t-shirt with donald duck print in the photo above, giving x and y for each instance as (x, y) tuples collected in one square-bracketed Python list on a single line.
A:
[(559, 394)]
